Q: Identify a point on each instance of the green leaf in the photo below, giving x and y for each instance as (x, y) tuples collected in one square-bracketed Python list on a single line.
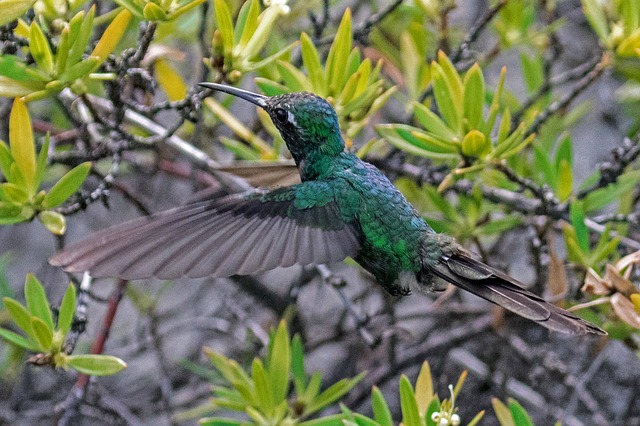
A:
[(293, 78), (564, 152), (297, 365), (66, 186), (62, 51), (408, 404), (41, 163), (532, 71), (431, 122), (381, 412), (67, 309), (433, 407), (21, 140), (596, 17), (5, 159), (40, 49), (312, 64), (81, 37), (218, 421), (498, 226), (37, 302), (279, 363), (474, 96), (520, 415), (333, 393), (19, 340), (80, 70), (12, 67), (339, 54), (247, 22), (333, 420), (96, 365), (576, 212), (43, 334), (132, 6)]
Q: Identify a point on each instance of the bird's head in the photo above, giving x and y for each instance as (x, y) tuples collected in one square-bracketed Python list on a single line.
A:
[(308, 123)]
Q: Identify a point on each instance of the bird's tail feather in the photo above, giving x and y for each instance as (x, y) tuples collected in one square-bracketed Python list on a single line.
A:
[(482, 280)]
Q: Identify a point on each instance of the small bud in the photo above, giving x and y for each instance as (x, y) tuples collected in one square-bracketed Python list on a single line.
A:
[(435, 416), (474, 143), (234, 76), (455, 420)]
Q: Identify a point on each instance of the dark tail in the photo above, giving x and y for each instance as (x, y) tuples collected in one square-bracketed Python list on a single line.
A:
[(482, 280)]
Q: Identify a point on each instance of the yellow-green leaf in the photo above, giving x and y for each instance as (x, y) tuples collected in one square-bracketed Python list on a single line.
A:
[(339, 53), (13, 9), (225, 25), (53, 221), (62, 51), (37, 302), (10, 88), (112, 35), (40, 49), (250, 22), (21, 141), (19, 315), (444, 98), (474, 96), (311, 60), (14, 193), (19, 340), (408, 405), (43, 334), (431, 122), (502, 413), (66, 186), (96, 365), (279, 363), (474, 143), (153, 12), (565, 180)]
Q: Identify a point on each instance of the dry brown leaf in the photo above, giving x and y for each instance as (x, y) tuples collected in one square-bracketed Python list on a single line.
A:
[(593, 284), (557, 282), (618, 282), (628, 260), (624, 310)]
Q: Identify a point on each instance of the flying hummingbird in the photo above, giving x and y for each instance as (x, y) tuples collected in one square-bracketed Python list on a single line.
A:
[(344, 207)]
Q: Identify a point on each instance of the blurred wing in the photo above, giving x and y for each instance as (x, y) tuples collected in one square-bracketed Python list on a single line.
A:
[(235, 235), (482, 280)]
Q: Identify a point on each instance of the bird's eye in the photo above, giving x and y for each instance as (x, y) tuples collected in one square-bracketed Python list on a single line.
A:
[(281, 115)]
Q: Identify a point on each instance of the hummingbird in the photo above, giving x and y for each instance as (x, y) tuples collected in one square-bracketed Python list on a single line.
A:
[(343, 207)]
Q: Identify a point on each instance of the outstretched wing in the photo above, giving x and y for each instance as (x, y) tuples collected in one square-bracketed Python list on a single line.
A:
[(482, 280), (244, 234)]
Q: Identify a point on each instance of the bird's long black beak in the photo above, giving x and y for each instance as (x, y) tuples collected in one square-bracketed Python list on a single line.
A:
[(254, 98)]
